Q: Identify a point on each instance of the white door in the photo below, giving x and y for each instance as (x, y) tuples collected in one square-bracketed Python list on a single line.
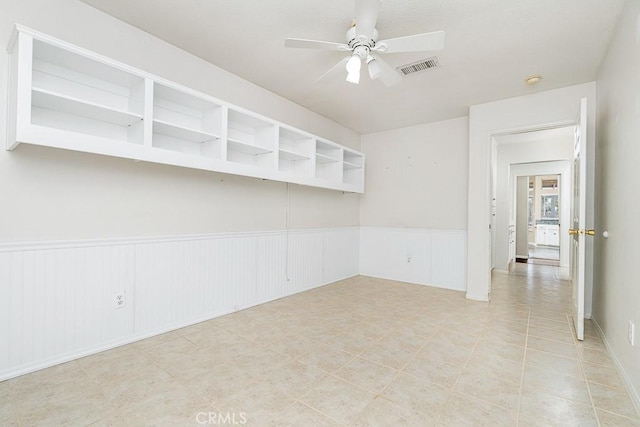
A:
[(578, 211)]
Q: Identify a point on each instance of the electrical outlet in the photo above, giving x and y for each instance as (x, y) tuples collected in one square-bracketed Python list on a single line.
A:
[(119, 300), (631, 332), (409, 259)]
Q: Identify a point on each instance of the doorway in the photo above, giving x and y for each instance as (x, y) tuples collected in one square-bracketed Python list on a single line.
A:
[(542, 157), (538, 213)]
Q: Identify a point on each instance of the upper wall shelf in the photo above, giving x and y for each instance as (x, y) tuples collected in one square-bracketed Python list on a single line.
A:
[(67, 97)]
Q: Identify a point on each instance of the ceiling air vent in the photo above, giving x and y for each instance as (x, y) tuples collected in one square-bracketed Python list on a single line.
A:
[(416, 67)]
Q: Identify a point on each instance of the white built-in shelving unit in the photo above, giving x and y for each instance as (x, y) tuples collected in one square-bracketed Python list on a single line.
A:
[(67, 97)]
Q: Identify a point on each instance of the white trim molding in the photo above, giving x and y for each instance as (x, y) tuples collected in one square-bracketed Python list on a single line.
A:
[(633, 393)]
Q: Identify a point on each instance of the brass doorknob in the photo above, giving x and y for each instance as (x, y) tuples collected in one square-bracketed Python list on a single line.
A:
[(573, 232)]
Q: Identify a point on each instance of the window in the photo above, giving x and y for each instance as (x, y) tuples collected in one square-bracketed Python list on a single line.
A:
[(549, 207)]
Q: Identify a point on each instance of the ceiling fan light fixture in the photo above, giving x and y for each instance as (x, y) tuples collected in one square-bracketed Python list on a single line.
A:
[(353, 69), (374, 67)]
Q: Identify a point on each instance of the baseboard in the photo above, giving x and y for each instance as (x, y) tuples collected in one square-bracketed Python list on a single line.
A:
[(482, 298), (395, 279), (635, 396)]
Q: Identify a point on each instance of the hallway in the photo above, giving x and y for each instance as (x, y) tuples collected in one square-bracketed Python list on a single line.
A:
[(573, 373)]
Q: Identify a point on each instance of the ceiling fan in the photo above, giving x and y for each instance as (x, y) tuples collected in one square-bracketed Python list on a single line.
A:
[(363, 44)]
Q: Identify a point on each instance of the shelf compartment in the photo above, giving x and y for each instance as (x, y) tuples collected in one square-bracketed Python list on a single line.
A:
[(245, 148), (251, 141), (292, 156), (328, 162), (249, 155), (209, 149), (295, 142), (353, 176), (173, 107), (295, 153), (327, 153), (352, 168), (65, 104), (60, 71), (250, 130), (180, 132), (352, 160), (294, 163), (56, 111), (323, 159), (349, 165)]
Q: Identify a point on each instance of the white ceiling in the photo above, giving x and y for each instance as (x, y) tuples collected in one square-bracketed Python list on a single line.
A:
[(490, 47)]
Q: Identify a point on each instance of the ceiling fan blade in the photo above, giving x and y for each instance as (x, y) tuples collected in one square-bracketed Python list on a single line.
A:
[(414, 43), (366, 17), (315, 44), (388, 75), (339, 68)]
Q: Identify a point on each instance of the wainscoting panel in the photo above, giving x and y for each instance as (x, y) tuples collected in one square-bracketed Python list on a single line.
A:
[(422, 256), (449, 259), (339, 249), (58, 299)]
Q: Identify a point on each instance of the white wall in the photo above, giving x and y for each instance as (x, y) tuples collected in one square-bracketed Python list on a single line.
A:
[(56, 300), (413, 213), (508, 154), (531, 112), (616, 290), (417, 177)]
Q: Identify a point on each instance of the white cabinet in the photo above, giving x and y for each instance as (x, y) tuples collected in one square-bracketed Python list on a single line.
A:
[(553, 235), (66, 97), (548, 234)]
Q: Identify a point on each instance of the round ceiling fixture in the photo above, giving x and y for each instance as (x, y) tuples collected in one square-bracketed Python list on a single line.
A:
[(532, 80)]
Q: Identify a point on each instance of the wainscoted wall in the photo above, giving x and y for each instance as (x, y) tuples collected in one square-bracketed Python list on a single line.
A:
[(57, 300), (415, 255)]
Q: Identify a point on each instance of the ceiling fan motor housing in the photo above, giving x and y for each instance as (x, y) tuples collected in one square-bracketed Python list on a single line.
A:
[(360, 45)]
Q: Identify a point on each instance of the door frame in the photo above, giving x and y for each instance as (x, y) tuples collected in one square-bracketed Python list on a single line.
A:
[(559, 167), (537, 111)]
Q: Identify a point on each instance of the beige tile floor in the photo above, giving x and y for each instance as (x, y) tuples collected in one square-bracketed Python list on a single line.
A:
[(362, 352)]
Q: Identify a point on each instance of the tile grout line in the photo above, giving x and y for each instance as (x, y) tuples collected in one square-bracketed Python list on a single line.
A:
[(455, 383), (524, 366), (355, 356), (332, 374), (584, 375)]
